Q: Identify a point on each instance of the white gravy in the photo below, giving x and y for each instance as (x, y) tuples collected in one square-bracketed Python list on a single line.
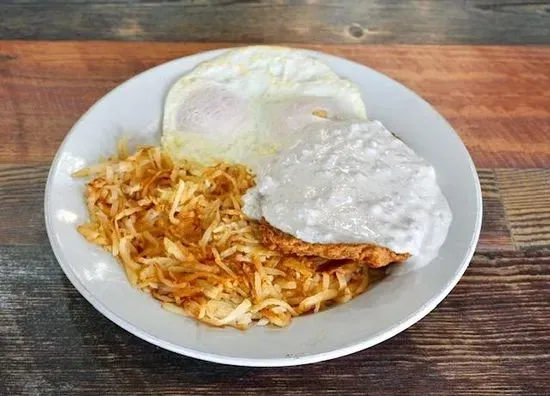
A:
[(353, 182)]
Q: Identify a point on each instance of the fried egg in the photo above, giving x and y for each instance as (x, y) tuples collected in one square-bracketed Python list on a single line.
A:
[(251, 102)]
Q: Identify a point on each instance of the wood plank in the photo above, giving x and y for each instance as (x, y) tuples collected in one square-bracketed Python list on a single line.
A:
[(22, 194), (526, 198), (495, 233), (495, 97), (22, 204), (261, 21), (490, 336)]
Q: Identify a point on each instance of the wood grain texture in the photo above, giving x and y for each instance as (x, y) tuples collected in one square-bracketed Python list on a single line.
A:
[(495, 97), (495, 231), (489, 337), (22, 204), (296, 21), (526, 199)]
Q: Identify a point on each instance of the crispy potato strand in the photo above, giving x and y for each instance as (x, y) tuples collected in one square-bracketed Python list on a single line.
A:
[(180, 235)]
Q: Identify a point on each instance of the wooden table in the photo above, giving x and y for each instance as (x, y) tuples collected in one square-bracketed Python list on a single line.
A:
[(491, 335)]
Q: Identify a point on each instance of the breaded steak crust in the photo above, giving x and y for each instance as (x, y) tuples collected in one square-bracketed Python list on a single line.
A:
[(374, 255)]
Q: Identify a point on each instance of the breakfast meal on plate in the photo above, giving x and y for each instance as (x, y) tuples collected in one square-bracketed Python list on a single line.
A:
[(271, 196)]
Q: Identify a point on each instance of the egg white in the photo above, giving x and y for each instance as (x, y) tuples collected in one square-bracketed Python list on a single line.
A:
[(250, 102)]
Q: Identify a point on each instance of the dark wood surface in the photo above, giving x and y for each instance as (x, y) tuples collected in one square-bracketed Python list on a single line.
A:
[(491, 335), (296, 21)]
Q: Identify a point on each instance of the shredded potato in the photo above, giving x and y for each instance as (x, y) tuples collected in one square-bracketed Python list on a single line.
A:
[(180, 234)]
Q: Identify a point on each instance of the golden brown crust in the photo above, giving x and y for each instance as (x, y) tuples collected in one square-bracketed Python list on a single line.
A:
[(375, 256)]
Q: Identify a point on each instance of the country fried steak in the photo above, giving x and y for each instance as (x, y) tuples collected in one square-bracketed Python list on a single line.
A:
[(374, 255)]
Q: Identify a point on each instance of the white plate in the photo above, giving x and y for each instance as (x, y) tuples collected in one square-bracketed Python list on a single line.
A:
[(135, 108)]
